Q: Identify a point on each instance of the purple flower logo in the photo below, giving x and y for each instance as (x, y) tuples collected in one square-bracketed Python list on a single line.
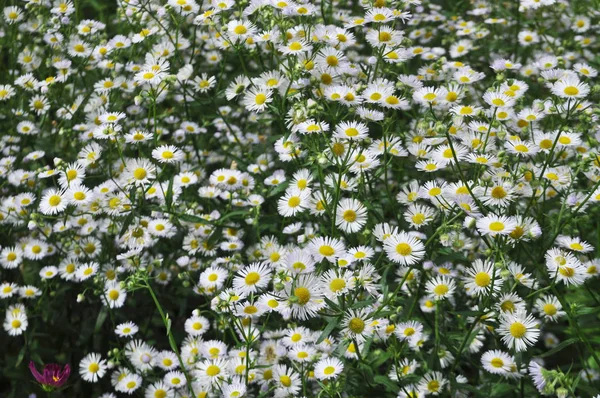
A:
[(53, 376)]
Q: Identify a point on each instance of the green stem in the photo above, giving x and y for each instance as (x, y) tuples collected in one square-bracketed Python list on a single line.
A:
[(172, 341)]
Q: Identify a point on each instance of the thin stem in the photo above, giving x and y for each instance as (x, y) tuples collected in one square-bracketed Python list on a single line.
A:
[(172, 341)]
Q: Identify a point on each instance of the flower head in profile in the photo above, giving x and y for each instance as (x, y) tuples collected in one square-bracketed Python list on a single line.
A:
[(53, 375)]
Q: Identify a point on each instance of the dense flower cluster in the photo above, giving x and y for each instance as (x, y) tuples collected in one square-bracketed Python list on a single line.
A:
[(301, 198)]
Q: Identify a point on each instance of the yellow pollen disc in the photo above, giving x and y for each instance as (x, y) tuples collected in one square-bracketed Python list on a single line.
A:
[(213, 370), (332, 60), (497, 226), (295, 46), (260, 99), (326, 250), (337, 284), (440, 290), (294, 201), (571, 90), (517, 330), (240, 30), (349, 216), (285, 380), (550, 309), (404, 249), (482, 279), (567, 271), (139, 173), (303, 295), (54, 200), (356, 325), (498, 193), (252, 278)]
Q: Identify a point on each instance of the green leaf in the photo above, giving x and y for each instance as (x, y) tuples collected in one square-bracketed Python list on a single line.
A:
[(21, 356), (385, 381), (333, 322), (559, 347), (470, 388), (278, 189), (331, 304), (126, 223), (194, 219), (100, 320), (169, 197), (381, 359), (361, 304), (503, 390), (168, 323), (232, 214), (465, 313)]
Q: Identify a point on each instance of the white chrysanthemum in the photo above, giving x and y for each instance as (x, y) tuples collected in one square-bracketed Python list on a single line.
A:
[(252, 278), (497, 362), (518, 330), (167, 154), (92, 367), (126, 329), (53, 202), (328, 368), (351, 215), (482, 278), (404, 249), (570, 87), (441, 287)]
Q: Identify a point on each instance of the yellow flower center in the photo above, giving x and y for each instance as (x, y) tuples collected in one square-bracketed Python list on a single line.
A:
[(326, 250), (240, 30), (260, 99), (139, 173), (285, 380), (332, 60), (356, 325), (567, 271), (337, 284), (303, 295), (404, 249), (497, 226), (295, 46), (213, 370), (571, 90), (482, 279), (517, 330), (294, 201), (498, 193), (441, 290), (54, 200), (252, 278), (349, 216), (433, 386), (550, 309)]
